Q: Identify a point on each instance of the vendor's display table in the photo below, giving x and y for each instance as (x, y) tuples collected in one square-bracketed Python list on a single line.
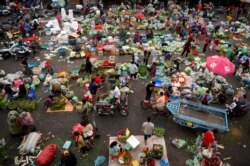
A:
[(135, 152)]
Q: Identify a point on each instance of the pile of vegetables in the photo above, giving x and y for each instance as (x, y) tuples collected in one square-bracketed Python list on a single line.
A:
[(3, 102), (157, 151), (142, 70), (124, 158), (174, 47), (221, 36), (24, 105), (123, 135), (213, 161), (58, 104), (159, 131), (109, 99)]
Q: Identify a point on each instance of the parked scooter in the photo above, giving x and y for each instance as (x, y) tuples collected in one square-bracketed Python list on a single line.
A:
[(105, 108), (11, 48), (238, 108), (110, 104)]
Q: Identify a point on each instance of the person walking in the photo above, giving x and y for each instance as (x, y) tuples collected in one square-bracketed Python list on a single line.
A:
[(133, 69), (88, 67), (149, 90), (206, 43), (146, 56), (148, 129), (93, 87), (186, 48), (154, 54)]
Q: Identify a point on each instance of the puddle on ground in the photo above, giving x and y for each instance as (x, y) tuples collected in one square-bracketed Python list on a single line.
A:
[(236, 132)]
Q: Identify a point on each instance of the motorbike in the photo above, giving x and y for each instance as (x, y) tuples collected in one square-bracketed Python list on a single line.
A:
[(106, 108), (12, 49), (237, 109)]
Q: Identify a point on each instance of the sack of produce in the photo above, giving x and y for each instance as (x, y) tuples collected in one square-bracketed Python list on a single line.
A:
[(31, 142), (46, 156), (179, 143)]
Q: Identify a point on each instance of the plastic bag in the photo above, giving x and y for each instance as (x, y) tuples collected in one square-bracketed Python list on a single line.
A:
[(30, 144), (100, 161), (46, 156), (179, 143), (164, 162)]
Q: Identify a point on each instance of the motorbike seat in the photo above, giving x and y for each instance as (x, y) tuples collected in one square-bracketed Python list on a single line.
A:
[(103, 103)]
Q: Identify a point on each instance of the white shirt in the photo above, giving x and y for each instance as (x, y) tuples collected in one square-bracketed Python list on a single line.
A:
[(117, 92), (148, 128), (136, 59), (154, 53), (132, 68)]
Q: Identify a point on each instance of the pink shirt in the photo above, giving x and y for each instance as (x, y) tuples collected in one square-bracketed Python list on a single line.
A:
[(27, 119)]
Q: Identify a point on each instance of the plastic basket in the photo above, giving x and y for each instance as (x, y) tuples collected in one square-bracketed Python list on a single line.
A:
[(72, 42), (62, 51), (31, 64), (158, 83)]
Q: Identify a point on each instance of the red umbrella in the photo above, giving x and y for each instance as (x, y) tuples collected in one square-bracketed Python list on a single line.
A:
[(220, 65), (140, 16)]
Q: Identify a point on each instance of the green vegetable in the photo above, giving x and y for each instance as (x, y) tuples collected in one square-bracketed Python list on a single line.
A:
[(159, 131), (24, 105), (58, 104), (142, 70)]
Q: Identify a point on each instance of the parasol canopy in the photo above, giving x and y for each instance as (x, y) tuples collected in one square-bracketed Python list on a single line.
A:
[(220, 65), (140, 15)]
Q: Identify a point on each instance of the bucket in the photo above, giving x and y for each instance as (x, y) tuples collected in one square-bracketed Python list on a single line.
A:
[(31, 64), (87, 54), (62, 51), (72, 42), (158, 83)]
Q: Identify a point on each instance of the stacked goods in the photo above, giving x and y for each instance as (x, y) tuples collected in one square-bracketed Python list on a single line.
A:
[(157, 151)]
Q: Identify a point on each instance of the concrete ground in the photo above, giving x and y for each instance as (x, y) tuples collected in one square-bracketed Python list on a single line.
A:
[(236, 141)]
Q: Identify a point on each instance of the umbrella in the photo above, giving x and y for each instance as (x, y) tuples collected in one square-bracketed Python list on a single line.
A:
[(220, 65), (140, 16)]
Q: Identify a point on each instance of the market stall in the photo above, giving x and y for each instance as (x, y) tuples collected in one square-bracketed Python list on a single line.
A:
[(137, 144)]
